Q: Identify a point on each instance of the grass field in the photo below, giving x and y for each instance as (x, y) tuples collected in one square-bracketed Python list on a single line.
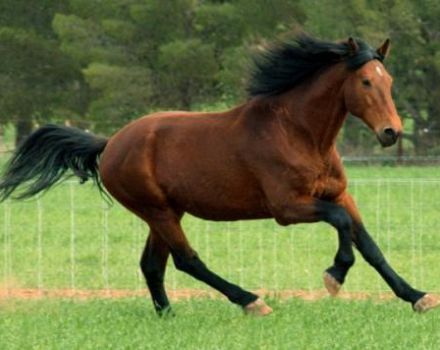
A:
[(69, 238), (215, 324)]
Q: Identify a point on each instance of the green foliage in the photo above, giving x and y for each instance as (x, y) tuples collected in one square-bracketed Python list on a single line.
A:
[(120, 93), (265, 18), (232, 77), (36, 78), (34, 74), (186, 71), (86, 41), (222, 25), (120, 31), (164, 21), (102, 62)]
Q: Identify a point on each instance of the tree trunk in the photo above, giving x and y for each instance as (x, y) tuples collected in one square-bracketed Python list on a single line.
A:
[(186, 99), (23, 129), (2, 139)]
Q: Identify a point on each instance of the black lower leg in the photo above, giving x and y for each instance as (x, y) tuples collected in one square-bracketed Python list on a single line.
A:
[(153, 263), (341, 265), (341, 220), (372, 254), (196, 268), (158, 294), (344, 258)]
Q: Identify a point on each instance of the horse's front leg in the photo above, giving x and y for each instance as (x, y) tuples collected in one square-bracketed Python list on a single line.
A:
[(334, 276), (420, 301), (344, 259)]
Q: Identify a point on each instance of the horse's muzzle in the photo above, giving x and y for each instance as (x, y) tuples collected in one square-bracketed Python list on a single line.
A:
[(388, 137)]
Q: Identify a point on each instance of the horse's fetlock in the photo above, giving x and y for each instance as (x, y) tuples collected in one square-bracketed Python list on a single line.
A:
[(347, 260)]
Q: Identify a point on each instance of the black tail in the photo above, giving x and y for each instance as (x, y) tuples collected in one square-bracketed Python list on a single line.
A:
[(46, 155)]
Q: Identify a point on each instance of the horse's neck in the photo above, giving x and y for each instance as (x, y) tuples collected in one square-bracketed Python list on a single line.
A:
[(317, 108)]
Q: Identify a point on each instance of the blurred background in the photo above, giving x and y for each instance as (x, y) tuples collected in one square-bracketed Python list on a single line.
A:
[(99, 64)]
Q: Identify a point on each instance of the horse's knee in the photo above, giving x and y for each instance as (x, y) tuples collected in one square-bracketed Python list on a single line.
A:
[(188, 264), (340, 219), (180, 263)]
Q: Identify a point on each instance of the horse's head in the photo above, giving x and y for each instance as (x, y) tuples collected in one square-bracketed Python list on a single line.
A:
[(367, 93)]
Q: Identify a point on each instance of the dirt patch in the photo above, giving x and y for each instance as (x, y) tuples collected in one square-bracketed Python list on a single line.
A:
[(180, 294)]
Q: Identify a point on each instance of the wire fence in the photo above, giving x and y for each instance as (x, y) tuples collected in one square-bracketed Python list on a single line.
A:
[(69, 238)]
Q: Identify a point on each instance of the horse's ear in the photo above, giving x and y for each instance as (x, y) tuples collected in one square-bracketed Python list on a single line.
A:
[(384, 49), (352, 45)]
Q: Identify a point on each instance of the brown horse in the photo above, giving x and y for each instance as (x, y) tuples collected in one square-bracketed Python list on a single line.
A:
[(272, 157)]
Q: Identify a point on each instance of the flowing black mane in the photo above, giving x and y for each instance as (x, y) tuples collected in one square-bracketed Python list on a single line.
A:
[(291, 61)]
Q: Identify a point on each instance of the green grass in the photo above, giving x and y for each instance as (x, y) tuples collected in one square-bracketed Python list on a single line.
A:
[(393, 172), (215, 324), (399, 205)]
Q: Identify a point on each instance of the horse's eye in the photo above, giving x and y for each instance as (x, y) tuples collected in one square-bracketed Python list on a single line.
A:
[(366, 82)]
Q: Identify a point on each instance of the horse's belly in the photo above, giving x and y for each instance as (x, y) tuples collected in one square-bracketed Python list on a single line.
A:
[(218, 204), (227, 213)]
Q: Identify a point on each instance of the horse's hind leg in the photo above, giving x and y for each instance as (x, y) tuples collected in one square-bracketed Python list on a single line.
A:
[(153, 264), (186, 259)]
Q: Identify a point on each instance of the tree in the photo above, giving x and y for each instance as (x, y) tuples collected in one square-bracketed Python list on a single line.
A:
[(125, 51), (187, 68), (35, 77), (419, 64), (101, 64), (117, 83)]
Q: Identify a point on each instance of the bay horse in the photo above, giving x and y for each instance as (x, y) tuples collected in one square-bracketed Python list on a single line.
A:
[(274, 156)]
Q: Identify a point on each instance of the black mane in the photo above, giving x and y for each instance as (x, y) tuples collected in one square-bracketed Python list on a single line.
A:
[(290, 62)]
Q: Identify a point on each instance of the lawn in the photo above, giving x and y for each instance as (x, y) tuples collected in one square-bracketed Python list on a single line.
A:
[(70, 238), (215, 324)]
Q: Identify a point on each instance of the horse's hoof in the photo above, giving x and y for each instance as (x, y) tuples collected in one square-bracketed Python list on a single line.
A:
[(166, 312), (331, 284), (426, 303), (257, 308)]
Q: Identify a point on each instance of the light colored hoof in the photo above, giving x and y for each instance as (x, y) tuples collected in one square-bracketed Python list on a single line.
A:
[(426, 303), (331, 284), (257, 308)]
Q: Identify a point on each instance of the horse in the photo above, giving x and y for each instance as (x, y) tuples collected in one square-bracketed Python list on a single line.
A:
[(273, 156)]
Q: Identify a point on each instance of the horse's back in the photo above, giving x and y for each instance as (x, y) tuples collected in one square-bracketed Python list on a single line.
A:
[(129, 157)]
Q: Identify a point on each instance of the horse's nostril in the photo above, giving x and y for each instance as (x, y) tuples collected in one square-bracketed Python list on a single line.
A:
[(388, 136), (390, 132)]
